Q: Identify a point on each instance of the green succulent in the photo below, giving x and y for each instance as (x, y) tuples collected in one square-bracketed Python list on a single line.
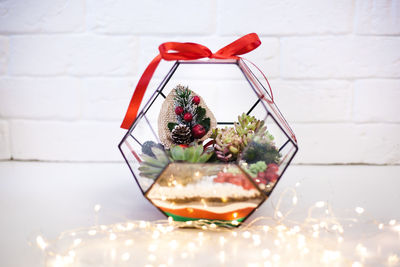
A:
[(255, 168), (192, 154), (147, 147), (231, 141), (261, 149), (151, 167), (247, 125)]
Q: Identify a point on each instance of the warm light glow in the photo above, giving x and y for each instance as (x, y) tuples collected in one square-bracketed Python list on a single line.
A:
[(222, 256), (125, 256), (356, 264), (359, 210), (92, 232), (41, 243), (276, 240), (112, 236), (129, 242), (393, 260), (246, 234), (77, 241), (97, 208)]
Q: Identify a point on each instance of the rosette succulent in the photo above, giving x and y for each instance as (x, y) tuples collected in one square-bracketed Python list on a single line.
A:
[(231, 141), (261, 148), (152, 165)]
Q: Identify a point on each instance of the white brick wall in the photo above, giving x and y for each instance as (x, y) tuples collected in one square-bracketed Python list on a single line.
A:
[(68, 68), (48, 16), (5, 152)]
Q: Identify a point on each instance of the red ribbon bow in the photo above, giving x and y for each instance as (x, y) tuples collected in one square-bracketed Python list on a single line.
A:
[(185, 51)]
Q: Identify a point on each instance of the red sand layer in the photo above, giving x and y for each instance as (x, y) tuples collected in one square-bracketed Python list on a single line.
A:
[(203, 214)]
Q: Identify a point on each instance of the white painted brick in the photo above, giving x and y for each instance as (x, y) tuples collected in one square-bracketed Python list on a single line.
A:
[(44, 98), (338, 57), (4, 141), (285, 17), (313, 101), (77, 55), (377, 100), (107, 98), (377, 17), (3, 54), (348, 143), (153, 16), (70, 141), (266, 56), (44, 16)]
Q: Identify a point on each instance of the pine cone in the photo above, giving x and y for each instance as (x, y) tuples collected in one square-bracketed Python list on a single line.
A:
[(181, 134)]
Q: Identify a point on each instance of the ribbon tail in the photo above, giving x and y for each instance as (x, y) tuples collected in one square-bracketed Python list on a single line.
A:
[(138, 95)]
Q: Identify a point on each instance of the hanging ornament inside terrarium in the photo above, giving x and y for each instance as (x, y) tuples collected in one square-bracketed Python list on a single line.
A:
[(210, 144)]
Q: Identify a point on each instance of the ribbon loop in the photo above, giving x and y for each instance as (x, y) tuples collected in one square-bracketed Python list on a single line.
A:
[(241, 46), (185, 51)]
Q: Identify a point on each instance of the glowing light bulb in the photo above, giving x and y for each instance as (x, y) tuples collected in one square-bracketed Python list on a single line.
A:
[(77, 241), (221, 256), (97, 208), (41, 243), (246, 234), (112, 236), (125, 256), (92, 232), (359, 210)]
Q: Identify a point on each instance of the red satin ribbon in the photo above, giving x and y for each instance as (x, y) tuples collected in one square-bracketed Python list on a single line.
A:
[(185, 51)]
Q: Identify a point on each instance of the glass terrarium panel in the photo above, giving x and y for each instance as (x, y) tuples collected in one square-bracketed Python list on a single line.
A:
[(143, 152), (210, 69), (193, 191), (287, 152), (264, 157), (279, 137), (261, 89), (227, 96), (220, 169)]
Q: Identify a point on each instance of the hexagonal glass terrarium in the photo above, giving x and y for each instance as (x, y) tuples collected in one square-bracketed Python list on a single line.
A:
[(220, 162)]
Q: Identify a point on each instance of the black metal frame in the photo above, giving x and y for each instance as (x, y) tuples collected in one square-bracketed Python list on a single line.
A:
[(246, 71)]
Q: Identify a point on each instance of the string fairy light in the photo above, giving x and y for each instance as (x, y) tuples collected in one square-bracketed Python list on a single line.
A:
[(265, 241)]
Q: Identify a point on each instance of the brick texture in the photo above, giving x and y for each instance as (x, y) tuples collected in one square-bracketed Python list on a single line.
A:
[(3, 54), (47, 16), (40, 98), (152, 17), (68, 70), (377, 17), (376, 101), (73, 55), (340, 57), (285, 17), (5, 152)]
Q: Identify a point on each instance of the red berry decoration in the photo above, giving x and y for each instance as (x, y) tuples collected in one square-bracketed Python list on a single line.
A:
[(198, 131), (196, 100), (178, 110), (188, 117), (183, 145)]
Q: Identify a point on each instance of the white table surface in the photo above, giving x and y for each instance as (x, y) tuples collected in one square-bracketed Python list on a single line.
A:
[(48, 198)]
